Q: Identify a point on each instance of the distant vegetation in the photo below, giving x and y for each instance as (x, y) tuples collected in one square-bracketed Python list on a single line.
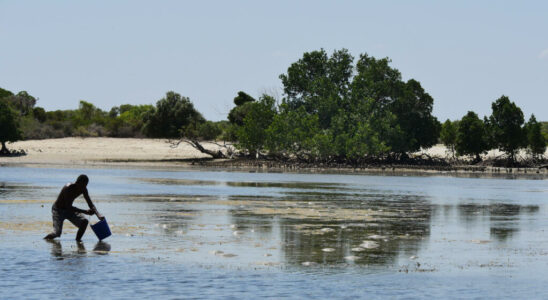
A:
[(335, 108)]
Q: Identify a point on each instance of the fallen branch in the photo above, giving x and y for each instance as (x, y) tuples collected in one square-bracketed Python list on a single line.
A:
[(196, 145)]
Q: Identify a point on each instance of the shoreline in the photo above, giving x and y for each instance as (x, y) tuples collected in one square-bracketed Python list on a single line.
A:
[(389, 170), (157, 153)]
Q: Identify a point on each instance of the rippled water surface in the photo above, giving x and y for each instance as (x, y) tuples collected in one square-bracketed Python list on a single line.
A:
[(217, 234)]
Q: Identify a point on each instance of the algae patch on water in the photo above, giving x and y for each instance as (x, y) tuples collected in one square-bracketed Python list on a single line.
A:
[(24, 201), (44, 226)]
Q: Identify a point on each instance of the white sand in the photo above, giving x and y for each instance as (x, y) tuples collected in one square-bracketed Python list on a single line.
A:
[(441, 151), (93, 150)]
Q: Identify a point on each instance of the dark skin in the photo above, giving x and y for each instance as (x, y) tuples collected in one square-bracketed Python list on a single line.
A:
[(66, 198)]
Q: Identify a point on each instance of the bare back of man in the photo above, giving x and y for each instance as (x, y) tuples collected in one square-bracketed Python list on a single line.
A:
[(63, 208)]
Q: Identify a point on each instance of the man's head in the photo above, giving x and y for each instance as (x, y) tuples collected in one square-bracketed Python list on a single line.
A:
[(82, 180)]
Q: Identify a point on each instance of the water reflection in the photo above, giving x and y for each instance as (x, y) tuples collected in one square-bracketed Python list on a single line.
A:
[(101, 248), (361, 227), (504, 219), (78, 250), (12, 191), (361, 231), (251, 184), (262, 237), (297, 220), (56, 249)]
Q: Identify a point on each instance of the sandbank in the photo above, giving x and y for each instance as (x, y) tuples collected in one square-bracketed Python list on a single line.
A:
[(102, 150)]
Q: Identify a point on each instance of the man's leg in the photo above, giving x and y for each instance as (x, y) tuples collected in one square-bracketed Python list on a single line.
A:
[(57, 225), (81, 222), (82, 230)]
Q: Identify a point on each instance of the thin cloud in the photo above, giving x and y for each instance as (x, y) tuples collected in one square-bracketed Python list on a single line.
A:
[(543, 54)]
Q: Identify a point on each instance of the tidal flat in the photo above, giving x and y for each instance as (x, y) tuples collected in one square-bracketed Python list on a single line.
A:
[(215, 233)]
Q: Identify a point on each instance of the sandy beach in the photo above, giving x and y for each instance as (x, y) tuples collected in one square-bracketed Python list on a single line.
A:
[(101, 150)]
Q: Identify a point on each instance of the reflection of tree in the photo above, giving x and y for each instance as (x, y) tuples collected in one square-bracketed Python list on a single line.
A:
[(398, 225), (503, 218), (470, 213), (504, 210), (174, 218), (287, 185), (262, 225), (502, 233)]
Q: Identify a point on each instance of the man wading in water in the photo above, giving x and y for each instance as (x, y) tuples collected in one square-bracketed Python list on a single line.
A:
[(62, 208)]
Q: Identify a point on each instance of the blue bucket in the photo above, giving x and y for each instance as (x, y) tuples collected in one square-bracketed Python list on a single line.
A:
[(101, 229)]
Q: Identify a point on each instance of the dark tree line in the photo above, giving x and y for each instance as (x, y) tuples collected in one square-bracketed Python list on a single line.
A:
[(335, 108), (172, 117), (505, 129)]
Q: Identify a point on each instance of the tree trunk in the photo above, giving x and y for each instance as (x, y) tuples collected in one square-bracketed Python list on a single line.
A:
[(196, 145), (4, 148)]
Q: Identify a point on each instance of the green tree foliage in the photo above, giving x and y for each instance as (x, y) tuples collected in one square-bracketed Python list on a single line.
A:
[(205, 131), (86, 110), (127, 120), (506, 125), (361, 132), (121, 121), (228, 131), (5, 93), (88, 120), (39, 114), (252, 134), (242, 98), (535, 140), (448, 135), (209, 131), (377, 80), (319, 83), (292, 132), (30, 118), (9, 124), (114, 112), (23, 102), (545, 130), (364, 141), (407, 101), (172, 114), (413, 111), (364, 109), (471, 136), (243, 103)]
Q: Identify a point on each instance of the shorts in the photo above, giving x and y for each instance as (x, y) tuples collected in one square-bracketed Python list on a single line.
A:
[(59, 215)]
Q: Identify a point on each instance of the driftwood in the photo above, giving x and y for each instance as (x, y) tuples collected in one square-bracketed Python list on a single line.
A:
[(198, 146)]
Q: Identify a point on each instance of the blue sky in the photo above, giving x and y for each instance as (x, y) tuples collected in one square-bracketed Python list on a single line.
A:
[(466, 54)]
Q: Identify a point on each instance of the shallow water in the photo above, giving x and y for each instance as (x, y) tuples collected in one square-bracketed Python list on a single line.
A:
[(217, 234)]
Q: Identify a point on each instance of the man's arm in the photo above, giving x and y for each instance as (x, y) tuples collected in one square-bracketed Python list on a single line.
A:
[(91, 206), (78, 210)]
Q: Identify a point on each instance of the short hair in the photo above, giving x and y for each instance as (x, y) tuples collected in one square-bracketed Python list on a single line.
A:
[(82, 179)]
